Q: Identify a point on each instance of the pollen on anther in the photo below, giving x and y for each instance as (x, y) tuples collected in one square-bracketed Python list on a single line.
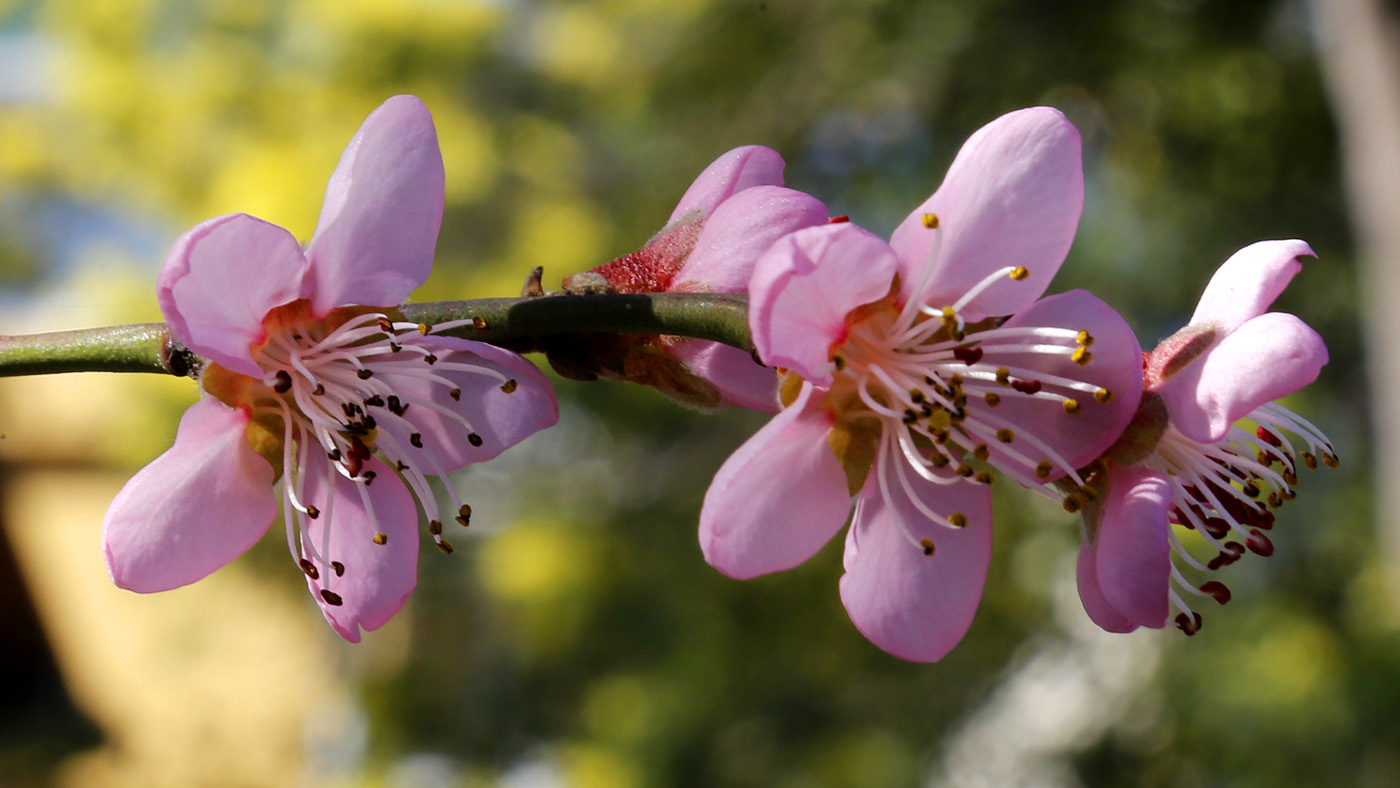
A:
[(1004, 376), (1072, 503), (381, 538), (310, 569), (957, 520), (424, 328), (927, 544), (1081, 356), (984, 477), (1005, 435), (319, 390), (964, 470), (474, 439), (1330, 460), (455, 394), (993, 399), (510, 386), (1019, 273), (1043, 469), (981, 452), (313, 512), (338, 568), (1103, 395), (1084, 339), (435, 527), (1309, 460), (385, 325), (480, 324), (1072, 406), (930, 220), (331, 597), (445, 546)]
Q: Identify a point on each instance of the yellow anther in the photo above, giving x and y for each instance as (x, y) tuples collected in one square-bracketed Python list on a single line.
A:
[(1004, 376), (1080, 356), (480, 324), (950, 316), (1019, 273), (1085, 338), (939, 460), (1043, 469), (956, 380), (1072, 406), (1103, 395), (1309, 460), (981, 452), (930, 220), (509, 386), (1330, 460), (1005, 435), (957, 520), (993, 399), (1072, 504), (381, 538), (424, 328), (964, 470), (927, 544), (985, 477)]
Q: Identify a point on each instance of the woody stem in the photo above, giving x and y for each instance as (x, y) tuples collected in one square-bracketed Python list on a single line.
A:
[(511, 322)]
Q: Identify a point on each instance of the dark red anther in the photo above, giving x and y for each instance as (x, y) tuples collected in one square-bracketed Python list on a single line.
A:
[(331, 597), (1267, 437), (1026, 386), (284, 382), (1217, 527), (1216, 589), (1259, 544), (1189, 624), (339, 568), (967, 355), (1231, 554), (838, 219), (310, 569)]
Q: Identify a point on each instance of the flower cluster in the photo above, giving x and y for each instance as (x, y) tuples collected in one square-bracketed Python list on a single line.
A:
[(904, 374)]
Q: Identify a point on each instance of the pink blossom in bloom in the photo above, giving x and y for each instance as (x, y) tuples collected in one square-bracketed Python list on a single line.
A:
[(912, 366), (733, 211), (1189, 459), (350, 406)]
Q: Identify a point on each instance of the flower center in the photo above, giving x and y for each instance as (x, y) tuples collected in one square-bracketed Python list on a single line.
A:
[(345, 388), (919, 388), (1218, 491)]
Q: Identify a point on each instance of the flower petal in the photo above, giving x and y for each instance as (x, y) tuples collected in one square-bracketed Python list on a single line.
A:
[(1041, 425), (196, 507), (219, 282), (379, 224), (498, 414), (742, 380), (377, 578), (1012, 197), (1132, 555), (1264, 359), (1246, 284), (1091, 593), (741, 229), (778, 498), (739, 169), (913, 605), (804, 286)]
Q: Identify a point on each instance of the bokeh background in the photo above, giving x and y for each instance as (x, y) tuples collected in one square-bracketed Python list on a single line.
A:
[(577, 639)]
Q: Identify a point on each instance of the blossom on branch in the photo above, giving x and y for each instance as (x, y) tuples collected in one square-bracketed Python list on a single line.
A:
[(733, 211), (910, 369), (315, 378), (1186, 459)]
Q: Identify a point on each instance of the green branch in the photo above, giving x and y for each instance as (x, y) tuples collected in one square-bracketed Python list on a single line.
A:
[(148, 347)]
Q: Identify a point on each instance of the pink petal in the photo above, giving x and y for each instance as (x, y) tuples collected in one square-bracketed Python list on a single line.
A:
[(739, 169), (196, 507), (741, 229), (498, 418), (1091, 593), (1246, 284), (219, 282), (379, 224), (1264, 359), (1012, 197), (1115, 364), (377, 578), (1132, 555), (743, 381), (777, 499), (916, 606), (804, 286)]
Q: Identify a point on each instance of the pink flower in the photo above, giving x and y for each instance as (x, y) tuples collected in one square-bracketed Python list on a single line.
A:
[(903, 381), (352, 407), (733, 211), (1187, 460)]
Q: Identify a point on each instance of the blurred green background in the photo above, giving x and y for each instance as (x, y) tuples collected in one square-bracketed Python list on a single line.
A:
[(577, 638)]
